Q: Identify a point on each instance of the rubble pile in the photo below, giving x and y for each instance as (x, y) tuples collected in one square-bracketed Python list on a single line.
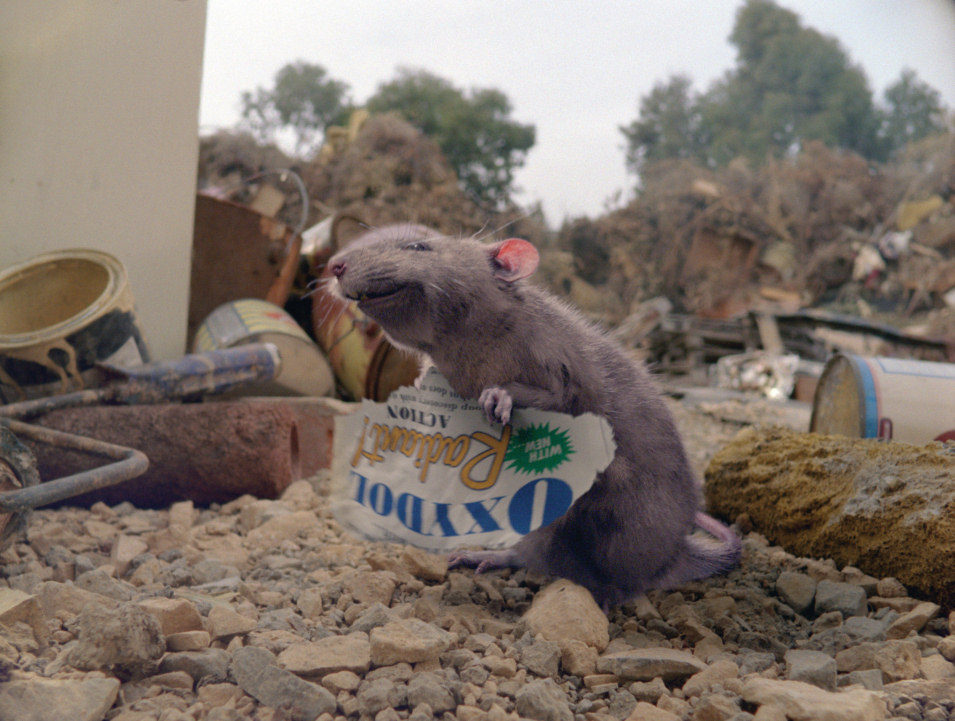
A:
[(265, 609), (389, 172), (822, 228)]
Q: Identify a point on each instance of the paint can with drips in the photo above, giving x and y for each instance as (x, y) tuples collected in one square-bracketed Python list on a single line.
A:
[(61, 313)]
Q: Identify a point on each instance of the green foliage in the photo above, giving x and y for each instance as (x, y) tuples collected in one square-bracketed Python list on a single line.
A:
[(304, 99), (913, 110), (669, 125), (790, 85), (473, 129)]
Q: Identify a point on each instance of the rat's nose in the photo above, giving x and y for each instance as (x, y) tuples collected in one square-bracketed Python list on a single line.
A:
[(338, 268)]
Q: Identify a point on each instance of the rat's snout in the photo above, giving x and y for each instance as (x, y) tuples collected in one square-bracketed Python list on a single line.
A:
[(338, 268)]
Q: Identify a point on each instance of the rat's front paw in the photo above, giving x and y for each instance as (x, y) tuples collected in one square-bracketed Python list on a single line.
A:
[(497, 404), (481, 561)]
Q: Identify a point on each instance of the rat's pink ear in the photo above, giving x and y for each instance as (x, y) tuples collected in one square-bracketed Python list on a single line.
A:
[(513, 259)]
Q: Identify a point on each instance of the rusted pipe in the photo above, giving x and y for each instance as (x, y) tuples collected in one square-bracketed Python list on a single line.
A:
[(129, 464)]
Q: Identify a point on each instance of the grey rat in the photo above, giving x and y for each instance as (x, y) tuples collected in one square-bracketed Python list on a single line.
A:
[(463, 305)]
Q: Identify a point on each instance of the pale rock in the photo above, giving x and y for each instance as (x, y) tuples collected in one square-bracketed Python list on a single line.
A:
[(224, 622), (644, 609), (709, 648), (897, 660), (715, 674), (300, 495), (914, 620), (561, 601), (310, 603), (100, 581), (599, 679), (649, 691), (797, 590), (370, 587), (541, 658), (341, 681), (424, 565), (869, 678), (805, 702), (890, 587), (178, 680), (946, 647), (188, 641), (499, 666), (21, 607), (127, 640), (410, 640), (685, 620), (65, 600), (543, 700), (41, 699), (577, 658), (182, 515), (175, 615), (813, 667), (674, 705), (255, 671), (643, 664), (769, 712), (937, 668), (100, 531), (853, 575), (647, 712), (351, 652), (715, 708), (207, 665), (847, 598), (428, 689), (218, 694), (125, 549), (283, 527), (146, 572)]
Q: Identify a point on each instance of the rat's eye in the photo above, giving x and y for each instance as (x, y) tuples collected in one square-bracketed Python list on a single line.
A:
[(417, 245)]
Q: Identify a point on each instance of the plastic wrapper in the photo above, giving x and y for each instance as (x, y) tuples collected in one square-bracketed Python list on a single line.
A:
[(772, 375), (426, 468)]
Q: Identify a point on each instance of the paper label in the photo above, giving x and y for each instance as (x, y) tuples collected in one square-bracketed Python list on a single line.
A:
[(426, 468)]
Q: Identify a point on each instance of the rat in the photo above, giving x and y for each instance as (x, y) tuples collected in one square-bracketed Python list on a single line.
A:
[(464, 306)]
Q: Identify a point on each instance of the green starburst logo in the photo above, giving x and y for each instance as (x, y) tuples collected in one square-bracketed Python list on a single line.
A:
[(538, 448)]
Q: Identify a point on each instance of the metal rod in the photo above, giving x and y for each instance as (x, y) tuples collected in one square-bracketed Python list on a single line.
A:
[(129, 464)]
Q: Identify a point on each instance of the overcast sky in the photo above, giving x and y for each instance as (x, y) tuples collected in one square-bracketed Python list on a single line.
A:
[(574, 69)]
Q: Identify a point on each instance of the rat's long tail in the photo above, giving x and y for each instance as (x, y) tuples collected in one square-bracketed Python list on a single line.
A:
[(703, 559)]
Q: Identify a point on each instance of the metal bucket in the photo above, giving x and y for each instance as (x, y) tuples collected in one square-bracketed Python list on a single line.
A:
[(365, 363), (304, 371), (904, 400), (60, 314)]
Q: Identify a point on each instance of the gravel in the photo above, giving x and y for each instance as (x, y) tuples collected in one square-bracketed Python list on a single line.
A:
[(267, 610)]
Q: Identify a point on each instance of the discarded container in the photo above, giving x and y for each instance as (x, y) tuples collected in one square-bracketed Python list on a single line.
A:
[(305, 371), (889, 398), (60, 314), (365, 363), (238, 253)]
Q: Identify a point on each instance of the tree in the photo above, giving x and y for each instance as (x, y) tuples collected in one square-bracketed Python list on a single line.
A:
[(668, 126), (303, 99), (473, 129), (913, 110), (790, 84)]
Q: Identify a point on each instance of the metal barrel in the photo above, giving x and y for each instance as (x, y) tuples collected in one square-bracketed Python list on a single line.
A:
[(889, 398)]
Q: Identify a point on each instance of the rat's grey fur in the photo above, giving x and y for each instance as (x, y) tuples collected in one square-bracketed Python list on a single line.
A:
[(503, 341)]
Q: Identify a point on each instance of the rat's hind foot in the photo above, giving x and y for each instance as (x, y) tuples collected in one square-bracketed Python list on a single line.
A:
[(497, 404), (482, 561)]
